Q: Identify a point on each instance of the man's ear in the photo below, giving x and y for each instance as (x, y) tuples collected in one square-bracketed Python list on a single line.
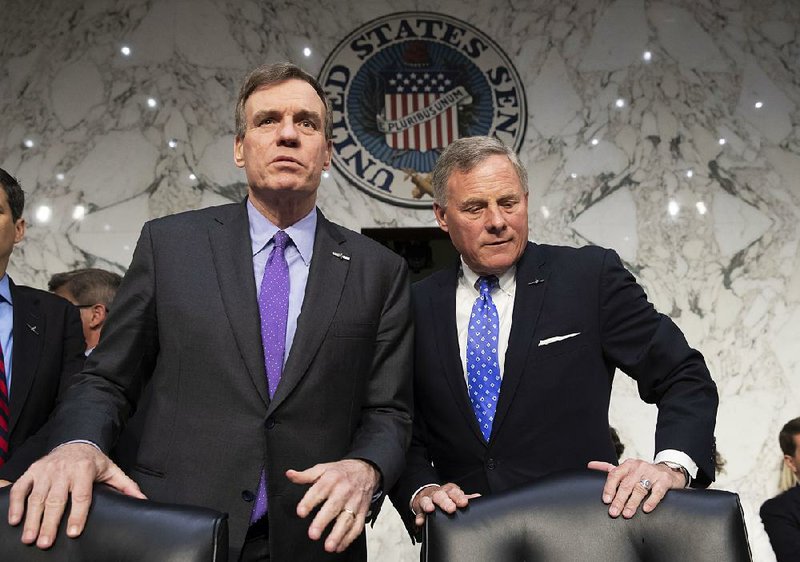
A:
[(19, 230), (328, 155), (238, 152), (441, 216), (99, 313)]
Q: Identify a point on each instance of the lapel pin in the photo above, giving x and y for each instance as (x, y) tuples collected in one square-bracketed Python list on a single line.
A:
[(341, 256), (536, 282), (33, 329)]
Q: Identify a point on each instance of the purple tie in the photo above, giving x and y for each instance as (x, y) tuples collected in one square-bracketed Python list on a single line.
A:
[(273, 307)]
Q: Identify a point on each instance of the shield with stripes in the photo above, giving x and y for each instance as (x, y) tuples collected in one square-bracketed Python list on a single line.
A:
[(421, 108)]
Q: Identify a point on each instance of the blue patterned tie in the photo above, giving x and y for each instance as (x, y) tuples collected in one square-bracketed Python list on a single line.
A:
[(273, 307), (483, 368)]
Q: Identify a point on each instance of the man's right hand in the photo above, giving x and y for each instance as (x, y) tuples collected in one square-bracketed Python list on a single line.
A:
[(71, 469), (448, 498)]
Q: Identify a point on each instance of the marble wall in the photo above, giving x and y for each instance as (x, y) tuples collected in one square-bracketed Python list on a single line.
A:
[(665, 129)]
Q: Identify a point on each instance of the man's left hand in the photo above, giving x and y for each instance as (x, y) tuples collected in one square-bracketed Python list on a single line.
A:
[(344, 489), (625, 490)]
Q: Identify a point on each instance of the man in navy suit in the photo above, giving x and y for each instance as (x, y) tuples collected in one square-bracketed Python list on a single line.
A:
[(41, 344), (516, 346), (781, 514), (274, 350)]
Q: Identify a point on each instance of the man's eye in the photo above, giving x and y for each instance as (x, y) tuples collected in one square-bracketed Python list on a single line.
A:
[(266, 121), (309, 124)]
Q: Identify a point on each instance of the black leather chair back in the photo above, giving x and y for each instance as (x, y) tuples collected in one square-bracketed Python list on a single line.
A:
[(561, 518), (125, 529)]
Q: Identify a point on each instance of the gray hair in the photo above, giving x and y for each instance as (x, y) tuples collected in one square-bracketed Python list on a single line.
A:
[(269, 74), (466, 153)]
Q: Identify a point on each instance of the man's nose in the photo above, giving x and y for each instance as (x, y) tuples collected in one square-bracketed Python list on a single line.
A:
[(287, 131), (494, 218)]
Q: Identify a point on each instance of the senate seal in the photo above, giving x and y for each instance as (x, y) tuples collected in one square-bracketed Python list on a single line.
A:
[(403, 87)]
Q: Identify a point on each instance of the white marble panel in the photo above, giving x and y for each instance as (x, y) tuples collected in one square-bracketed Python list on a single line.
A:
[(724, 263), (619, 39), (612, 223)]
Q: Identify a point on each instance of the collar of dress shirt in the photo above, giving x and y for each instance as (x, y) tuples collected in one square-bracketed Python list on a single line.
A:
[(506, 281), (302, 232), (5, 289)]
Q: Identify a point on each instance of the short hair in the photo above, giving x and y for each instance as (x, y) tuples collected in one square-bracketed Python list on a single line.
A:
[(88, 286), (16, 197), (463, 155), (269, 74), (786, 437)]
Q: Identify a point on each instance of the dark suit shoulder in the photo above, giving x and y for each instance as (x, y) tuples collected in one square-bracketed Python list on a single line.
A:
[(785, 503), (43, 298), (567, 254), (198, 217)]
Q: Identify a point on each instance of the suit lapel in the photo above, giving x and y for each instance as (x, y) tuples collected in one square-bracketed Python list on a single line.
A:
[(443, 310), (532, 275), (229, 236), (29, 330), (326, 279)]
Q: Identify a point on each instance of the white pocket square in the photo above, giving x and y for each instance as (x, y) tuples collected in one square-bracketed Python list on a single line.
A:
[(554, 339)]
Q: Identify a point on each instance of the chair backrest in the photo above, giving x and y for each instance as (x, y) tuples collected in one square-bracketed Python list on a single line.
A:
[(561, 518), (126, 529)]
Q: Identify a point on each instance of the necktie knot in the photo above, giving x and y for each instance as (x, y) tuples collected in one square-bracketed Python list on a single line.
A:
[(281, 240), (486, 284)]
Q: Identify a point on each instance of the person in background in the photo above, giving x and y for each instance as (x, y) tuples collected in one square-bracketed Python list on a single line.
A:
[(92, 291), (276, 350), (41, 348), (781, 514), (516, 347)]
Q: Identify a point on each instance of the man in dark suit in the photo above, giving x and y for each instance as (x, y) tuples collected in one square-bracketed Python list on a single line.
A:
[(781, 514), (246, 385), (515, 351), (40, 348)]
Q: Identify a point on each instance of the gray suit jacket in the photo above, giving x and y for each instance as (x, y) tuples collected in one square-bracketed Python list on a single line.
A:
[(185, 327)]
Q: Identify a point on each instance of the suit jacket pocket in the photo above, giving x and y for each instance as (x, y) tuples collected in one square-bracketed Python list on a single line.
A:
[(353, 330), (555, 348), (148, 471)]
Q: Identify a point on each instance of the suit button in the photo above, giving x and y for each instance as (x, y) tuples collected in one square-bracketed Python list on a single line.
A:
[(248, 496), (490, 464), (270, 423)]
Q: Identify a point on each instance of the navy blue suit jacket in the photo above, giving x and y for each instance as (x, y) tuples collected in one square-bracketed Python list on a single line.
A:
[(781, 517), (552, 413), (48, 351)]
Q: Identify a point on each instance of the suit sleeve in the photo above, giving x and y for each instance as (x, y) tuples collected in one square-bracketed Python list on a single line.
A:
[(783, 528), (649, 347), (385, 429), (68, 327), (105, 394), (419, 469)]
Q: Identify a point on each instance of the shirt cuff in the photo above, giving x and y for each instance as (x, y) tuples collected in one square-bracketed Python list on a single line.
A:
[(680, 458), (414, 495), (84, 441)]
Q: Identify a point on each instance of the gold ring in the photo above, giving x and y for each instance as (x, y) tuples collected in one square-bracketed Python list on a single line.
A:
[(349, 512)]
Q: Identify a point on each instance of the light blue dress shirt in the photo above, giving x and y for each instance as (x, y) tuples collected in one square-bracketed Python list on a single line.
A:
[(6, 327), (298, 257)]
